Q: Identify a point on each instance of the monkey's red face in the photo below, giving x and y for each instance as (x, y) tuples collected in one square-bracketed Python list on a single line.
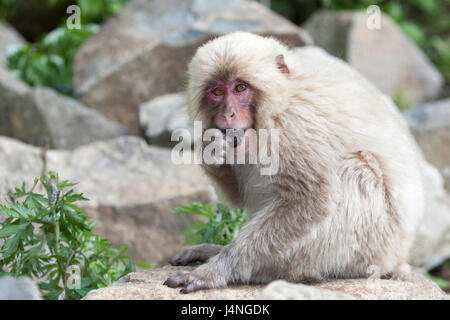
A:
[(230, 104)]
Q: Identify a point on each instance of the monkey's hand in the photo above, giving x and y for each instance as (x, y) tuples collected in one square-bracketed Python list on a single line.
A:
[(237, 262), (199, 253), (207, 276), (214, 152)]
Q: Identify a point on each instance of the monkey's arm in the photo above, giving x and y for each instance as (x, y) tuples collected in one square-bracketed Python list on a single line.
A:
[(225, 183), (246, 256), (198, 253)]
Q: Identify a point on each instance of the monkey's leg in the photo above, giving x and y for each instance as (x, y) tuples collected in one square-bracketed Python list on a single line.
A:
[(199, 253), (370, 218), (257, 254)]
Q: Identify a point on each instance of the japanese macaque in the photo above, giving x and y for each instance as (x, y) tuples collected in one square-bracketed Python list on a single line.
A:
[(347, 196)]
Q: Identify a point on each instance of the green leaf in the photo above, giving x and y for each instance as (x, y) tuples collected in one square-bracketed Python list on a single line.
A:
[(12, 229), (222, 226), (413, 31), (10, 246)]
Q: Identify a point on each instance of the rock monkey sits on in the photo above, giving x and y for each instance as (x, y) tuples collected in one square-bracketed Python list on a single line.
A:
[(348, 192)]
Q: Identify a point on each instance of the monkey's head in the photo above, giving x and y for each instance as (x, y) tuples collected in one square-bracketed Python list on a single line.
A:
[(238, 81)]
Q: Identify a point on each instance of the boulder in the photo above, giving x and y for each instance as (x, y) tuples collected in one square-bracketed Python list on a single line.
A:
[(143, 51), (9, 39), (42, 117), (18, 289), (430, 125), (159, 117), (149, 285), (131, 187), (385, 56)]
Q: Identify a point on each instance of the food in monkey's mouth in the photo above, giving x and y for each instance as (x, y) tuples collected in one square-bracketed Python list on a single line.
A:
[(234, 136)]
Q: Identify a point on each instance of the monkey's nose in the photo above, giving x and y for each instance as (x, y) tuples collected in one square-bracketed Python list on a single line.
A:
[(230, 116)]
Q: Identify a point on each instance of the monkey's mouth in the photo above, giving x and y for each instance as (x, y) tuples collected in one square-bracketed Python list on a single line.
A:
[(235, 136)]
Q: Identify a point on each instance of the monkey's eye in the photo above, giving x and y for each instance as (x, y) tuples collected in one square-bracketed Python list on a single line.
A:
[(218, 92), (241, 87)]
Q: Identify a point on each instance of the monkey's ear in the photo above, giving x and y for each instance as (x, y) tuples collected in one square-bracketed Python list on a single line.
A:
[(281, 64)]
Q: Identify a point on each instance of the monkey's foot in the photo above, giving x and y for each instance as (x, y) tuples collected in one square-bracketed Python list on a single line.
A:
[(199, 253), (206, 276), (189, 281)]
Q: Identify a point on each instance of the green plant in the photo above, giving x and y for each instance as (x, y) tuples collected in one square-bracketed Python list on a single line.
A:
[(44, 236), (49, 62), (7, 7), (99, 10), (442, 283), (223, 224)]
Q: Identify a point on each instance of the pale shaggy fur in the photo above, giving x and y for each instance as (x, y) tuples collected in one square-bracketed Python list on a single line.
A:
[(348, 194)]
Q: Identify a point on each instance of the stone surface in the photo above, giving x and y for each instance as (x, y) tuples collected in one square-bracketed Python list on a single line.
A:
[(131, 187), (18, 289), (143, 51), (283, 290), (430, 125), (9, 39), (386, 56), (149, 285), (159, 117), (42, 117), (382, 289)]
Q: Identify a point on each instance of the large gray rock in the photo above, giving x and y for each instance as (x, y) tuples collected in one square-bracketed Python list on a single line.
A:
[(18, 289), (143, 52), (42, 117), (430, 125), (9, 39), (161, 116), (132, 188), (385, 56), (149, 285)]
